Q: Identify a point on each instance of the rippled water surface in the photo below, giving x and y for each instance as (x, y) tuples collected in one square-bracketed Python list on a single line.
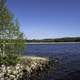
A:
[(68, 54)]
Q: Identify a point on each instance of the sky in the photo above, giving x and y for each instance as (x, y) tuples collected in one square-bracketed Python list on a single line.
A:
[(41, 19)]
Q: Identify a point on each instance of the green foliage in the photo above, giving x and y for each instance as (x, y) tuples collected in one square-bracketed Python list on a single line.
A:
[(9, 60), (11, 39)]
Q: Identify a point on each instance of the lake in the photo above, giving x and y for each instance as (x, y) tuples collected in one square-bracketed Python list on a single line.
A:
[(68, 54)]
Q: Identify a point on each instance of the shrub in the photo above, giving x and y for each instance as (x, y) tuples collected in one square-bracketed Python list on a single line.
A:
[(9, 60)]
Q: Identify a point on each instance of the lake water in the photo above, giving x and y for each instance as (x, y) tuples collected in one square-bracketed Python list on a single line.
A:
[(68, 54)]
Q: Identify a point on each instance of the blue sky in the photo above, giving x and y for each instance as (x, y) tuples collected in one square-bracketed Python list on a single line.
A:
[(47, 18)]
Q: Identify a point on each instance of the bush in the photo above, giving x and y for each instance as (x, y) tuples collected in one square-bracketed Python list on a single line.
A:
[(9, 59)]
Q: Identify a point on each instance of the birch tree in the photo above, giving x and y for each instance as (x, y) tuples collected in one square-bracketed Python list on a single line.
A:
[(11, 39)]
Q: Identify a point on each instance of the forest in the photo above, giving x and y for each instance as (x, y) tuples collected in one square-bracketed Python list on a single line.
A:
[(65, 39)]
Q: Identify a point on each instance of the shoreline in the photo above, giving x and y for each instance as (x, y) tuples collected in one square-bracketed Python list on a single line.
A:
[(53, 43)]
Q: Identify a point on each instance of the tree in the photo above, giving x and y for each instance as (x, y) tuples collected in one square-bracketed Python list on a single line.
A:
[(11, 39)]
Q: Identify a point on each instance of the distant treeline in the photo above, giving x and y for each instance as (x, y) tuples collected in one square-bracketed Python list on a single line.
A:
[(68, 39)]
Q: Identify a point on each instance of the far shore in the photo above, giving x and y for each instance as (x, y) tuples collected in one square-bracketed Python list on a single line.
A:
[(52, 42)]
